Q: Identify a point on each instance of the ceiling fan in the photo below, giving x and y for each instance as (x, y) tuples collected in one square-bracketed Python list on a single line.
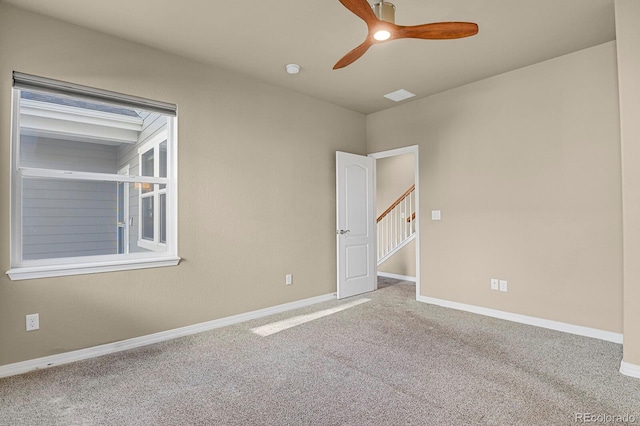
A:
[(380, 20)]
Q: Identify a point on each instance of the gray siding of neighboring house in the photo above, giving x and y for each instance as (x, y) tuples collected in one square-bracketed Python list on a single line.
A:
[(128, 155), (66, 218), (67, 155)]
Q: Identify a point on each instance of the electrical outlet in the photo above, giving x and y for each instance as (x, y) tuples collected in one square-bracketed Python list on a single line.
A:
[(503, 285), (288, 279), (33, 322), (494, 284)]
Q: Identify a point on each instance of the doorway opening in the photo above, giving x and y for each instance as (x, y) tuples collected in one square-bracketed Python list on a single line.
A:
[(397, 188)]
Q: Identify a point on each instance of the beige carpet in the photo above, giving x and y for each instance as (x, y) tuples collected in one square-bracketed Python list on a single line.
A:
[(389, 361)]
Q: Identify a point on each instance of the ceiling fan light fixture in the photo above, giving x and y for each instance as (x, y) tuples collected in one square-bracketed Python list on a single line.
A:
[(382, 35)]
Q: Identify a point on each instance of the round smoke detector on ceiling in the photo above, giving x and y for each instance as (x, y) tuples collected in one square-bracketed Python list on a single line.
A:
[(293, 68)]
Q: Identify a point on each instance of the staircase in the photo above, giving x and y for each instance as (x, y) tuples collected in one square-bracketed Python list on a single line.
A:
[(396, 227)]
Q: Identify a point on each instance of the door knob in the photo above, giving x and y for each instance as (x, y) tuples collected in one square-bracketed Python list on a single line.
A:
[(342, 231)]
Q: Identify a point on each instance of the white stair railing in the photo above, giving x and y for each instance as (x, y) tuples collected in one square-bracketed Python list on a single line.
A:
[(396, 226)]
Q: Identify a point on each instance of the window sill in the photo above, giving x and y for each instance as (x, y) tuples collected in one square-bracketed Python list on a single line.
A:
[(33, 272)]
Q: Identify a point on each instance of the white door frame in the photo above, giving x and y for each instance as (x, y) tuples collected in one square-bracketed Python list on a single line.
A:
[(413, 149)]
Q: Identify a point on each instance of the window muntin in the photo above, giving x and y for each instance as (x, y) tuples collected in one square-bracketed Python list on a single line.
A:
[(74, 208)]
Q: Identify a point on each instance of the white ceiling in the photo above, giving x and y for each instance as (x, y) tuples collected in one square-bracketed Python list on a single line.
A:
[(258, 38)]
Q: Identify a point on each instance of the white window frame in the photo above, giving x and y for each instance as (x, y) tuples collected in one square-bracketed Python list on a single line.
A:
[(156, 192), (125, 214), (29, 269)]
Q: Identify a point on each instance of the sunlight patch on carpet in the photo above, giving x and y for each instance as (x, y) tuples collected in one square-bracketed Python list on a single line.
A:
[(275, 327)]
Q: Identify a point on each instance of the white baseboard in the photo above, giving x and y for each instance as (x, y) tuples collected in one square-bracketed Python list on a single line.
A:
[(397, 276), (95, 351), (631, 370), (524, 319)]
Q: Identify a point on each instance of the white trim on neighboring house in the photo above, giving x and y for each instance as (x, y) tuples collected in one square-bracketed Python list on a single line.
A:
[(68, 357), (80, 115), (524, 319), (71, 123)]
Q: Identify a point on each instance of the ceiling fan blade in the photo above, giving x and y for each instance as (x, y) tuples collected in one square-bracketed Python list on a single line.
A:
[(350, 57), (362, 9), (436, 30)]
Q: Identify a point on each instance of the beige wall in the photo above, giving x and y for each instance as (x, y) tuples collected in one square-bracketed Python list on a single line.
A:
[(525, 167), (394, 175), (256, 166), (628, 42), (401, 263)]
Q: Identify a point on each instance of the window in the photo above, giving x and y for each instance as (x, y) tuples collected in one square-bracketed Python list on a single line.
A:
[(93, 184), (153, 198)]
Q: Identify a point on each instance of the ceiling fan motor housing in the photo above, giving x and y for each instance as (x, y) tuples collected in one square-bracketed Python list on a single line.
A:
[(385, 11)]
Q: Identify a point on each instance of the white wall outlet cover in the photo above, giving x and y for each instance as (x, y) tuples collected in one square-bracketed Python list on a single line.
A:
[(288, 279), (435, 215), (503, 285), (494, 284), (33, 322)]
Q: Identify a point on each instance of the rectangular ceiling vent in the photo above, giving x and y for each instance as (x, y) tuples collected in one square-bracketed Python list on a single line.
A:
[(399, 95)]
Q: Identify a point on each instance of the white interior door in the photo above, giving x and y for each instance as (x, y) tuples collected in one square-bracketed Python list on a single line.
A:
[(355, 234)]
